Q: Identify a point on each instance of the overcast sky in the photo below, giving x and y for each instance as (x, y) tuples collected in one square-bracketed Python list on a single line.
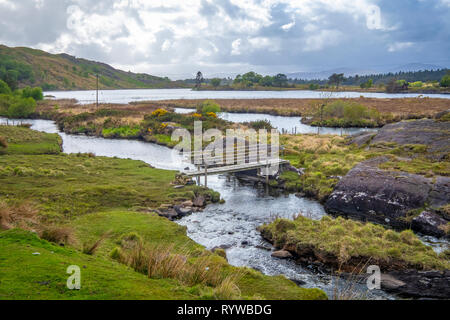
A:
[(179, 37)]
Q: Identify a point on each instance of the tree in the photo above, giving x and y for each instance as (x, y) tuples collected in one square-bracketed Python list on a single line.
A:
[(10, 78), (445, 81), (336, 79), (22, 108), (267, 81), (368, 84), (35, 93), (198, 80), (4, 88), (280, 80), (215, 82)]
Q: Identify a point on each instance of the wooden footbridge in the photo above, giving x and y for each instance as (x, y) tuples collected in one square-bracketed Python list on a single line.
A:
[(242, 162)]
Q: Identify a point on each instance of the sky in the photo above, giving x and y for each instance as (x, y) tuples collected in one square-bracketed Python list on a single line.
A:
[(177, 38)]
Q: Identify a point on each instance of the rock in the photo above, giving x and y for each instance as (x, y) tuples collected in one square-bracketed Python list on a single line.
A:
[(187, 204), (178, 187), (418, 284), (388, 282), (385, 197), (244, 243), (291, 168), (429, 223), (431, 133), (182, 212), (169, 214), (360, 139), (199, 201), (281, 254)]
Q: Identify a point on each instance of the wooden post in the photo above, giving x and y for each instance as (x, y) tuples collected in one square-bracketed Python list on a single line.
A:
[(97, 94), (206, 176)]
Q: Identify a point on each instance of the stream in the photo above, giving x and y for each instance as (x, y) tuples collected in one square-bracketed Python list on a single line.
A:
[(231, 225)]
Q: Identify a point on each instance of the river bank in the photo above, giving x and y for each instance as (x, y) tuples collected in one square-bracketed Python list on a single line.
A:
[(95, 212)]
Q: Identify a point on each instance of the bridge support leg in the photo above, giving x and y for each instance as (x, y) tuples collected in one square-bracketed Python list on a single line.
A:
[(206, 177), (267, 175)]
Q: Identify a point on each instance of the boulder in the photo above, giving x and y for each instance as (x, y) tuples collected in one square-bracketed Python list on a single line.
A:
[(199, 201), (418, 284), (380, 196), (360, 139), (281, 254), (188, 203), (181, 211), (429, 223)]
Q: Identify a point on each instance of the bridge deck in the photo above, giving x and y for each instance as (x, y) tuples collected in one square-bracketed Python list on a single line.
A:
[(236, 168)]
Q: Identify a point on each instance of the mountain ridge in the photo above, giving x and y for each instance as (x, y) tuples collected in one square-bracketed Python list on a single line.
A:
[(34, 67)]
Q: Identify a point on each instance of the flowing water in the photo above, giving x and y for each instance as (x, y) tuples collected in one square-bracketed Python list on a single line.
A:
[(231, 225)]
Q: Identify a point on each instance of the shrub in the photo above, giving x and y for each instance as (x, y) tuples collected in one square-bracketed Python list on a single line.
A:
[(417, 84), (208, 106), (4, 88), (3, 142), (35, 93), (445, 81), (58, 235), (22, 108), (159, 113)]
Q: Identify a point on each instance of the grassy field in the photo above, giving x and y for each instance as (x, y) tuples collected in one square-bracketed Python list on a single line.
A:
[(347, 244), (21, 140), (95, 212)]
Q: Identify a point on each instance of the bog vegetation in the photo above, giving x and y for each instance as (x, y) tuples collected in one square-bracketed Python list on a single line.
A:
[(96, 212)]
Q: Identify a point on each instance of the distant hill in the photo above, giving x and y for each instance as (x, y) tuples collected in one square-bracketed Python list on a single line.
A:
[(32, 67), (351, 72)]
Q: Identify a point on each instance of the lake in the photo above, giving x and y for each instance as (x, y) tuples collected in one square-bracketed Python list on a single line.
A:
[(127, 96)]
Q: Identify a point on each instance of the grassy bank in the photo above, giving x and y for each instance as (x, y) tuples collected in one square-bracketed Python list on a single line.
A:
[(140, 121), (347, 245), (326, 158), (58, 210)]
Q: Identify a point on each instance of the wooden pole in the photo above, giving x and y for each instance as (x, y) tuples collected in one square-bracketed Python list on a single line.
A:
[(206, 176), (97, 93)]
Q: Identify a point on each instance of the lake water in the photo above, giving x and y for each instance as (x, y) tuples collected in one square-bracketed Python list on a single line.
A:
[(127, 96)]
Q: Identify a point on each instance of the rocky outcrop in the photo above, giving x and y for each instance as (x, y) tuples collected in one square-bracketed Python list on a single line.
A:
[(387, 197), (418, 284), (427, 132), (430, 223)]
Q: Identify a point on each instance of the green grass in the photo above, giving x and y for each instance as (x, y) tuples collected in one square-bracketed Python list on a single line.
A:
[(71, 185), (27, 276), (349, 243), (105, 198), (24, 141)]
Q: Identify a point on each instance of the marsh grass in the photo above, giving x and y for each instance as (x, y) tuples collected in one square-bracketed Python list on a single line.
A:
[(90, 248), (346, 244), (163, 261)]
